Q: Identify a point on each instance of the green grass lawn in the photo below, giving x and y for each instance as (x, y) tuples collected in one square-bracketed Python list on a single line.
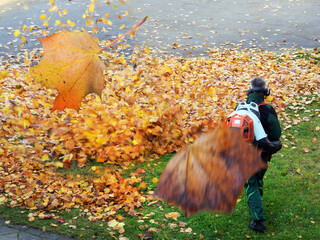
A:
[(291, 198)]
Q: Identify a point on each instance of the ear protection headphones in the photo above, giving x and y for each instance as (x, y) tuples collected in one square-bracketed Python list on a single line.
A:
[(266, 91)]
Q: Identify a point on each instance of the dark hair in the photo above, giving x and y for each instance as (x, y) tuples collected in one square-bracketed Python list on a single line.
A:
[(258, 85)]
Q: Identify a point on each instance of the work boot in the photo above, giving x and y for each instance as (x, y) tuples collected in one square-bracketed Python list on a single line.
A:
[(257, 226)]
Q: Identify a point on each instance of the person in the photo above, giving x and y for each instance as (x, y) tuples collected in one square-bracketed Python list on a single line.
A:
[(269, 120)]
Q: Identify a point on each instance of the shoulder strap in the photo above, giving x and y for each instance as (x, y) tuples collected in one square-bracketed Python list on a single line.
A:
[(263, 103)]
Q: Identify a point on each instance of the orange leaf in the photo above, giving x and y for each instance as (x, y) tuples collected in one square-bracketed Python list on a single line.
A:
[(211, 173), (72, 66)]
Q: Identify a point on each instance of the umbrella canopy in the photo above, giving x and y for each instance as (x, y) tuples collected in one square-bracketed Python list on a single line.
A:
[(211, 173)]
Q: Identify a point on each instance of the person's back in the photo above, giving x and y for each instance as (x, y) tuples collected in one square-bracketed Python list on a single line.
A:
[(269, 145)]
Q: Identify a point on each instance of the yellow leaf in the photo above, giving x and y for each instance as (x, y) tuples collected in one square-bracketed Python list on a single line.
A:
[(3, 199), (94, 30), (26, 123), (89, 22), (122, 26), (298, 170), (43, 16), (93, 168), (45, 157), (168, 69), (211, 91), (64, 12), (215, 98), (91, 8), (16, 33), (269, 98), (70, 23), (173, 215), (58, 164), (58, 22), (147, 50), (154, 180)]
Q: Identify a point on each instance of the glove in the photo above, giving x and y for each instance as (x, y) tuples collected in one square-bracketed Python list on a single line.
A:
[(271, 147), (278, 145)]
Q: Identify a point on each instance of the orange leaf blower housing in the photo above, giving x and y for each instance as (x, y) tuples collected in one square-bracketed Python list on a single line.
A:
[(245, 123)]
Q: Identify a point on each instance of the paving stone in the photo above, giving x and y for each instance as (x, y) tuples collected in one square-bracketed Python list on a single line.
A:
[(28, 236), (50, 235), (7, 230), (23, 232), (34, 231), (20, 227), (2, 221), (9, 237), (65, 238)]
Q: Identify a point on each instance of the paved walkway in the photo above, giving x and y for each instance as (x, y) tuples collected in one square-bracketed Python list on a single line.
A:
[(21, 232)]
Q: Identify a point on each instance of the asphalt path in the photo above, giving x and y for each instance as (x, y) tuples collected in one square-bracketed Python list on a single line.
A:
[(179, 27)]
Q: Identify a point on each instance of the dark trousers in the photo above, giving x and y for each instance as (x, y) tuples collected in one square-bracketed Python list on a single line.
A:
[(254, 191)]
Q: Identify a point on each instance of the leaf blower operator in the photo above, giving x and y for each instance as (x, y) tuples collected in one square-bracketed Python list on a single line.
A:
[(258, 120), (260, 125)]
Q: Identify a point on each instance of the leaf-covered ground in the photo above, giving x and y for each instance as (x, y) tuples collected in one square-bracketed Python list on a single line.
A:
[(150, 106), (290, 198)]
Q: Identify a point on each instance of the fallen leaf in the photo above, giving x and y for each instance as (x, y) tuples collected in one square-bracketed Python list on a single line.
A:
[(61, 220), (173, 215)]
